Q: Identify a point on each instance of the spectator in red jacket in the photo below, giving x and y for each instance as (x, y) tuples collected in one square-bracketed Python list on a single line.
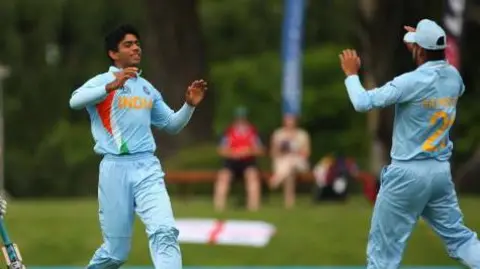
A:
[(240, 146)]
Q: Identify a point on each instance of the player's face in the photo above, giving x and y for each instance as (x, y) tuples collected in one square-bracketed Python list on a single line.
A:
[(129, 52)]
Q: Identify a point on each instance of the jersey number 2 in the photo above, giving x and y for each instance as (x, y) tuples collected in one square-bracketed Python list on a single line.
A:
[(446, 122)]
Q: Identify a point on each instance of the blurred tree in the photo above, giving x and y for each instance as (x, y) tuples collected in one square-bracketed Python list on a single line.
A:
[(176, 45), (326, 110), (384, 56), (468, 134), (54, 46)]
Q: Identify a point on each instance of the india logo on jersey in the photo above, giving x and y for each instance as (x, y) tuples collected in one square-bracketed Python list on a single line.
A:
[(134, 102)]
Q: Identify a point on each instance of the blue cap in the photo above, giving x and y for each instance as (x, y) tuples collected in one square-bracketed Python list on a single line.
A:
[(428, 35)]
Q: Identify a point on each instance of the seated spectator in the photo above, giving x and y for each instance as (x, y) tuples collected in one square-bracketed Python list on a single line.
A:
[(333, 175), (240, 146), (290, 150)]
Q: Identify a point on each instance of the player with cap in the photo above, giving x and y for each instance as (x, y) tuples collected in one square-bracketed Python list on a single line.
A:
[(418, 181)]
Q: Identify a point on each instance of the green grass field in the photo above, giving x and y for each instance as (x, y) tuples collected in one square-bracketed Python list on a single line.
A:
[(65, 232)]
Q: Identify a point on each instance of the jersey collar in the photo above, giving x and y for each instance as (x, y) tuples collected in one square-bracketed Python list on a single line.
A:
[(433, 64)]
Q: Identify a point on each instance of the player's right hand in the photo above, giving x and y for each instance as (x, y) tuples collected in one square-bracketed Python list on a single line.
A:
[(122, 77), (409, 29)]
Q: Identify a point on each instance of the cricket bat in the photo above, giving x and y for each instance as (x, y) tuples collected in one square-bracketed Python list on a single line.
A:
[(10, 249)]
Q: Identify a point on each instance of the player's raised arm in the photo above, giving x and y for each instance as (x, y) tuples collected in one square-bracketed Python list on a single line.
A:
[(97, 88), (164, 117), (395, 91)]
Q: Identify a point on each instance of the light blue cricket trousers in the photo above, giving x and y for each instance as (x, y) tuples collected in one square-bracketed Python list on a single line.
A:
[(410, 190), (134, 184)]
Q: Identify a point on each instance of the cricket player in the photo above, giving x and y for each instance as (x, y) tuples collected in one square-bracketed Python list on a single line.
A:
[(418, 182), (123, 106)]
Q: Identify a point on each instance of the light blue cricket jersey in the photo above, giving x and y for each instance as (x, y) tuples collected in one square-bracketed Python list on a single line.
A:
[(121, 121), (425, 106)]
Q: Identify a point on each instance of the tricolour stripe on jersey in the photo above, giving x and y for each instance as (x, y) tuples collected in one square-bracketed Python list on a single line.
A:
[(105, 111)]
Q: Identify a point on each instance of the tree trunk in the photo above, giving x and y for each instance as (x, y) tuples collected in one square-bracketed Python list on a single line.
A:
[(176, 53), (467, 165), (384, 56)]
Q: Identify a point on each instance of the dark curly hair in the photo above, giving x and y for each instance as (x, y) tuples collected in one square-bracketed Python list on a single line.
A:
[(113, 39)]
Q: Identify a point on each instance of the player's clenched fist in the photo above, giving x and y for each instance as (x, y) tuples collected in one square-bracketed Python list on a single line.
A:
[(350, 62), (122, 77), (196, 92)]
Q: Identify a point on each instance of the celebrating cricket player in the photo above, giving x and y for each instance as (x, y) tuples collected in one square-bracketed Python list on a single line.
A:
[(418, 182), (123, 106)]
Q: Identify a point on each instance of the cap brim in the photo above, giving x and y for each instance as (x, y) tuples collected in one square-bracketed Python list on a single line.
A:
[(409, 37)]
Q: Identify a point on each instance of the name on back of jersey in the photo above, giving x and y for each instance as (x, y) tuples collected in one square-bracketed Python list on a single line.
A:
[(444, 102)]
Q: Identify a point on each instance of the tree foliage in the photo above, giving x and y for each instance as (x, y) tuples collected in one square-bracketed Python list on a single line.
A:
[(54, 46)]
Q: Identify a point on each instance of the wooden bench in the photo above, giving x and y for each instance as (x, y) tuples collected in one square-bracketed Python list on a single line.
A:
[(185, 179), (204, 176)]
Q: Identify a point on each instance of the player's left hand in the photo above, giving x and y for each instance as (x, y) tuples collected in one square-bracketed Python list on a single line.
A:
[(350, 62), (196, 92)]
